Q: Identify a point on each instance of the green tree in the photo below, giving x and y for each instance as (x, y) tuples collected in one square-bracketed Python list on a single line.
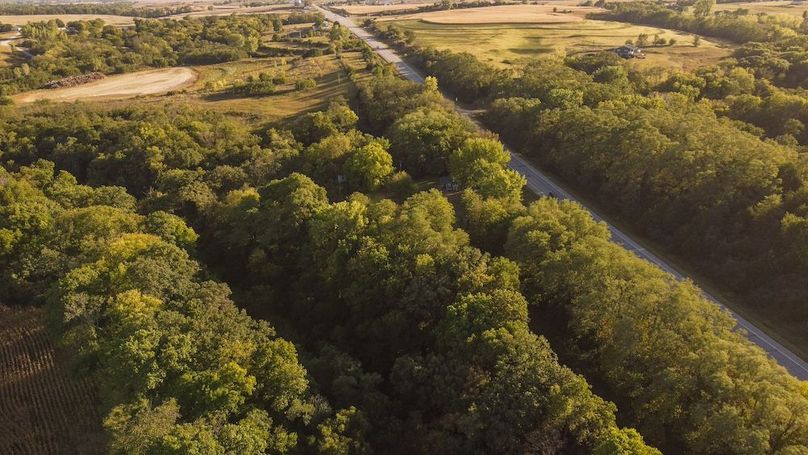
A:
[(702, 8), (368, 167), (423, 140)]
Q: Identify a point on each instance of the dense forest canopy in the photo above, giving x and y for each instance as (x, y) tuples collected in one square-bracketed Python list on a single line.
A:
[(116, 272), (389, 296), (709, 163), (307, 285)]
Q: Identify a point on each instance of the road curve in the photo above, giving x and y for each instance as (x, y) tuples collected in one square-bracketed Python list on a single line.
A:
[(541, 184)]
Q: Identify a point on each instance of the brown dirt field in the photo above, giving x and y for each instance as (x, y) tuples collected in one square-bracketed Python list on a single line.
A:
[(109, 19), (506, 14), (119, 86), (43, 409)]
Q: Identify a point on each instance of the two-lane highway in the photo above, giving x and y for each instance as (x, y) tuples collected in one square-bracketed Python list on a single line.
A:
[(539, 183)]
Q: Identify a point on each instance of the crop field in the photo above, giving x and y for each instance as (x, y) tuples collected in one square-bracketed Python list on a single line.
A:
[(109, 19), (506, 45), (506, 14), (373, 9), (43, 410), (119, 86)]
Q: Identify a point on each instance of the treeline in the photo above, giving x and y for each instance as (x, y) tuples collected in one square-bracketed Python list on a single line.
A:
[(117, 9), (733, 27), (742, 94), (587, 121), (577, 146), (401, 318), (728, 200), (424, 335), (93, 46), (672, 361), (656, 345), (780, 61)]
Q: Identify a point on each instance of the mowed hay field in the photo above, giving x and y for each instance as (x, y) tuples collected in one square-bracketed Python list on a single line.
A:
[(109, 19), (43, 409), (129, 85), (506, 45)]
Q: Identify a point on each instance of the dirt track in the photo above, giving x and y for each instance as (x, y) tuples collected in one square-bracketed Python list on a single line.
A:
[(116, 87)]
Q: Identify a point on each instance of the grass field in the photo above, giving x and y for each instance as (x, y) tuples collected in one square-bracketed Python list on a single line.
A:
[(43, 409), (109, 19), (332, 81), (506, 45)]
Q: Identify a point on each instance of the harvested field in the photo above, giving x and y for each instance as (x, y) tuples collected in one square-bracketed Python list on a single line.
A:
[(227, 10), (373, 9), (109, 19), (43, 409), (515, 44), (506, 14), (120, 86)]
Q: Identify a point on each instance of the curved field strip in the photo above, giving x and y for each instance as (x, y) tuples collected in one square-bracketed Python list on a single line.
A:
[(43, 409), (118, 87)]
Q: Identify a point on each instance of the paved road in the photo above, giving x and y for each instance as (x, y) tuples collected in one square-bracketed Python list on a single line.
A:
[(541, 184)]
